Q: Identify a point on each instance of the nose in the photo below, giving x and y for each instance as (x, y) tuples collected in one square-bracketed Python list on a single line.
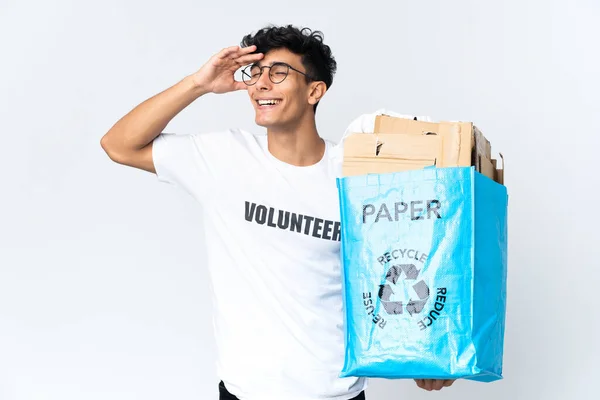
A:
[(264, 83)]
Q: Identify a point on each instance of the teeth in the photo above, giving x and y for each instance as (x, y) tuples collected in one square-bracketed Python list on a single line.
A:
[(268, 102)]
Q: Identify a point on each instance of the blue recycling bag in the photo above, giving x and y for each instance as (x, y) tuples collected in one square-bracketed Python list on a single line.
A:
[(424, 257)]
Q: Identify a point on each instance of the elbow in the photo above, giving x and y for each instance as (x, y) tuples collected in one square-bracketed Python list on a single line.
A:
[(104, 143), (109, 148)]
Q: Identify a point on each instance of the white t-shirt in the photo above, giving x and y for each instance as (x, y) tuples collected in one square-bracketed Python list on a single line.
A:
[(273, 242)]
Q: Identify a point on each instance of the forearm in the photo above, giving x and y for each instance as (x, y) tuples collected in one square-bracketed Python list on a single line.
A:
[(146, 121)]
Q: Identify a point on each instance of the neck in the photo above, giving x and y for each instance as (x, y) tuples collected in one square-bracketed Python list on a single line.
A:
[(297, 144)]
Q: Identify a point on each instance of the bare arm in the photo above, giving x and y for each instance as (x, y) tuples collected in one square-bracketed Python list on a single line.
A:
[(129, 141)]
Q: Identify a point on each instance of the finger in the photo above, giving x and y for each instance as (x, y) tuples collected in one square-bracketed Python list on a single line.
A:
[(248, 59), (228, 51), (438, 384), (247, 50), (234, 52), (240, 86), (448, 382), (420, 383), (428, 385)]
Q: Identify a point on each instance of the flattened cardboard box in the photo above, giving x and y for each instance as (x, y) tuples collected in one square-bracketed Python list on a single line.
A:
[(456, 137), (383, 153), (400, 144)]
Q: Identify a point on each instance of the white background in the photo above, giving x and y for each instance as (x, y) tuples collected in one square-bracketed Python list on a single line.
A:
[(103, 291)]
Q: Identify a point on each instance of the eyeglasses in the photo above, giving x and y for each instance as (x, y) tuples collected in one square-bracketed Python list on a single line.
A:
[(277, 73)]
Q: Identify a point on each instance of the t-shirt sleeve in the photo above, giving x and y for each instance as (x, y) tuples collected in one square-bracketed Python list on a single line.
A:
[(187, 161)]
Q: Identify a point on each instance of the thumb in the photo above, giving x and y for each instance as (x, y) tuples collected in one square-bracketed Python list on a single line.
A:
[(239, 86)]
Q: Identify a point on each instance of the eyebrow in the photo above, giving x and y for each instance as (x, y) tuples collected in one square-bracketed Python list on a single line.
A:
[(258, 64)]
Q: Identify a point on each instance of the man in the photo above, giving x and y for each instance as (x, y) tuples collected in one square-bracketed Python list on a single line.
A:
[(272, 220)]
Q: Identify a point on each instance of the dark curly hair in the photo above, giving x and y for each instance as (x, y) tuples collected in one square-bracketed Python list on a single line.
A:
[(316, 56)]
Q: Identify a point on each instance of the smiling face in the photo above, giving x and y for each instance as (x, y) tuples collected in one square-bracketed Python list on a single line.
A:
[(288, 103)]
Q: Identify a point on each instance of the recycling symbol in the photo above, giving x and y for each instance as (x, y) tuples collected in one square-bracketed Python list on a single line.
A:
[(409, 272)]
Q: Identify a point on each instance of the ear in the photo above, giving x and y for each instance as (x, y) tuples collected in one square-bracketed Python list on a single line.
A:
[(316, 92)]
